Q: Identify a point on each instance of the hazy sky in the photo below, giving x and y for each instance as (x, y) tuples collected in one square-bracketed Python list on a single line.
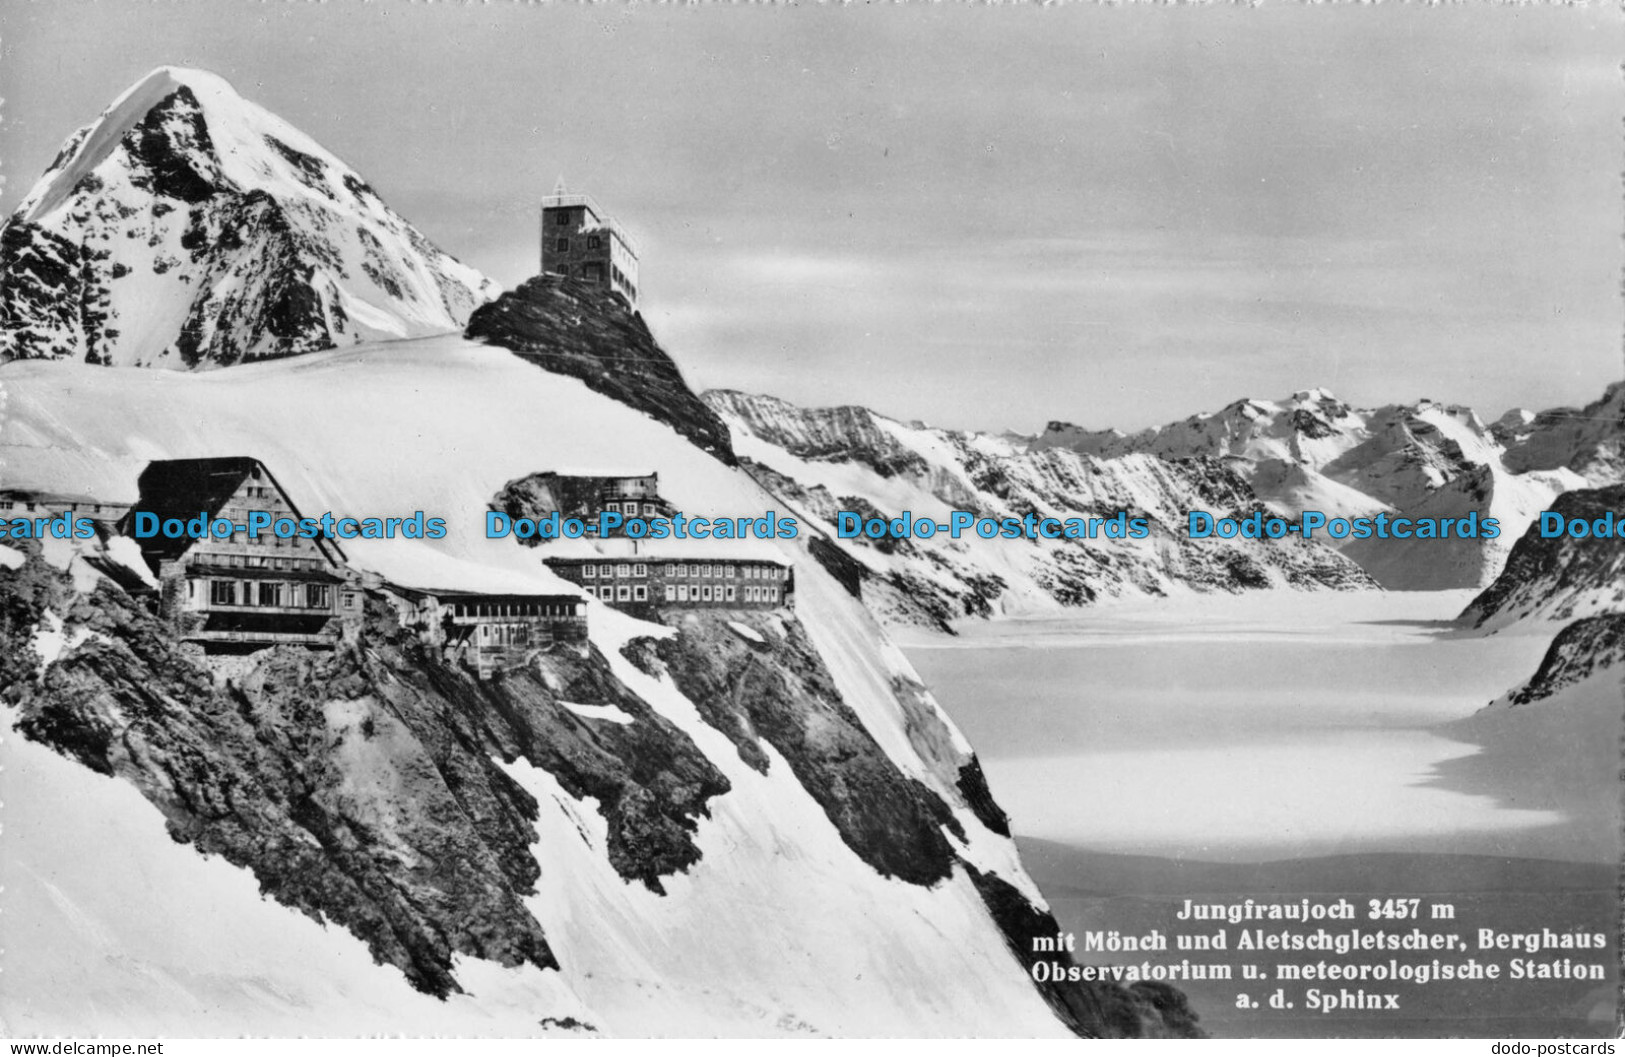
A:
[(984, 216)]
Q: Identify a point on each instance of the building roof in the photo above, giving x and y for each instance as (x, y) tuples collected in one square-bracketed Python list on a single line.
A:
[(455, 595), (614, 474), (42, 496), (561, 199), (465, 597), (183, 488), (621, 549)]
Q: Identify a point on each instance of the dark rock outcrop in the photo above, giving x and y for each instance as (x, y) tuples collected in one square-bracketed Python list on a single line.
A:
[(586, 332), (1556, 576), (1589, 440), (359, 786), (973, 787), (1141, 1010), (1583, 648), (366, 786), (780, 694)]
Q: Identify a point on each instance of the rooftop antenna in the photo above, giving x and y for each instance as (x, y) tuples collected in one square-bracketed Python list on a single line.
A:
[(558, 186)]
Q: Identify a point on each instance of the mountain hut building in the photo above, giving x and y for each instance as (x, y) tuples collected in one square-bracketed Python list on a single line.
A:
[(233, 593)]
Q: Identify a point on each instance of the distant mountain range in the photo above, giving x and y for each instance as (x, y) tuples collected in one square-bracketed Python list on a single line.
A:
[(820, 461), (1310, 451)]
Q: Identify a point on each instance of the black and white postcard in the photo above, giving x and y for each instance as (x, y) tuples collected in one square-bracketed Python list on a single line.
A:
[(810, 520)]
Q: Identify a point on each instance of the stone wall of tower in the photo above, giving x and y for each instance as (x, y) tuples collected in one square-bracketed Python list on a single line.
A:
[(577, 243)]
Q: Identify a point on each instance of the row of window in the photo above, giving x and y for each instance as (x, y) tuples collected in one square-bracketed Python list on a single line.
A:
[(512, 609), (593, 243), (503, 635), (257, 561), (623, 593), (591, 572), (689, 593), (630, 509), (705, 572), (269, 593)]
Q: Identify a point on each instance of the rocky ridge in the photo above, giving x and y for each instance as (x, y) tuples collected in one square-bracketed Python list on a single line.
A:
[(372, 787), (821, 461), (1581, 650), (1561, 578), (586, 332)]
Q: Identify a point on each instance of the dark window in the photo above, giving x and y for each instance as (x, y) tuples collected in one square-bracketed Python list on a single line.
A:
[(593, 272), (316, 596), (594, 242), (562, 245), (564, 217), (270, 594), (222, 593)]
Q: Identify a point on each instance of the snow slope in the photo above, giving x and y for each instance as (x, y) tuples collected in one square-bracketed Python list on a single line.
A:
[(833, 946), (187, 226), (1553, 742), (111, 928)]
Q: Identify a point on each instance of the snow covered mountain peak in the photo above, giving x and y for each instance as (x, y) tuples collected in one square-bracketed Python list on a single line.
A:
[(224, 115), (189, 227), (1311, 426)]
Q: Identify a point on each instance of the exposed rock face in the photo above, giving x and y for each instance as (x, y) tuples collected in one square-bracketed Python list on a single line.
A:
[(1559, 578), (188, 227), (368, 786), (1589, 440), (1580, 650), (821, 461), (826, 434), (1143, 1010), (586, 332), (777, 693), (358, 786)]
